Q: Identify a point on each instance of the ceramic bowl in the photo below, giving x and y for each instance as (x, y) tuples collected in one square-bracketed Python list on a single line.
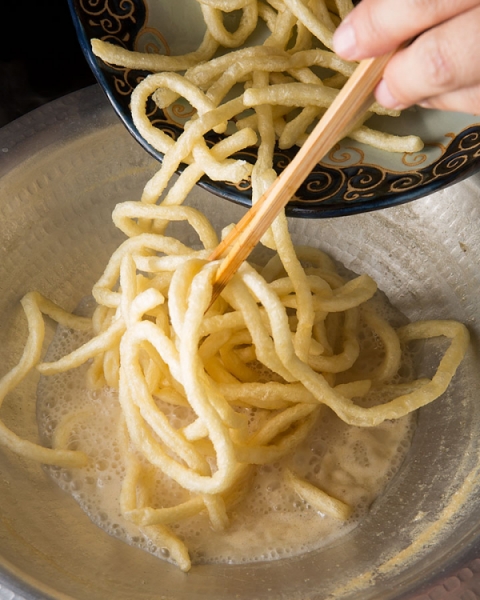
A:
[(352, 178)]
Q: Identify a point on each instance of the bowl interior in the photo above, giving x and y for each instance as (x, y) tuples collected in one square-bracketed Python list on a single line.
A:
[(65, 167)]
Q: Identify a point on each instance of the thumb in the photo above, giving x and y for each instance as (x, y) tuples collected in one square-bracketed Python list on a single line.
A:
[(375, 27)]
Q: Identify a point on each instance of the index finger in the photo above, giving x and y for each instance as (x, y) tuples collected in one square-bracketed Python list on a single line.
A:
[(375, 27)]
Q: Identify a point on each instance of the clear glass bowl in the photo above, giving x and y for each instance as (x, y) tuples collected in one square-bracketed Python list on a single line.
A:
[(62, 170)]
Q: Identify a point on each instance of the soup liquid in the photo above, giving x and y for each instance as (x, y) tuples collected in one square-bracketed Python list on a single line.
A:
[(352, 464)]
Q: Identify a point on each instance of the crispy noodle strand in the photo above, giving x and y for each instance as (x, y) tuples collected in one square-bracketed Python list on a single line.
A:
[(283, 339)]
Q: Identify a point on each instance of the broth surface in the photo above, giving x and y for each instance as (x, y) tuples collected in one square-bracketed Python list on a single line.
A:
[(271, 521)]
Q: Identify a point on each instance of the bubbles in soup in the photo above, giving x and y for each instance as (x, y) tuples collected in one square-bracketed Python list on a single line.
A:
[(271, 521)]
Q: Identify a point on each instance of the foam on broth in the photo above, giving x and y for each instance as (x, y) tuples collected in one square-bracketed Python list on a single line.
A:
[(352, 464)]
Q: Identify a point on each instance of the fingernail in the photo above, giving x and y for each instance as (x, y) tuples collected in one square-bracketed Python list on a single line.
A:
[(425, 104), (385, 97), (344, 40)]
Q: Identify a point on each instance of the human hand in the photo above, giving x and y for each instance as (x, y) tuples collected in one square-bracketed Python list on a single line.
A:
[(439, 69)]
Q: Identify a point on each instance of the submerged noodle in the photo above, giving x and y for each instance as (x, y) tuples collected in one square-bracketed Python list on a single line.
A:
[(168, 348)]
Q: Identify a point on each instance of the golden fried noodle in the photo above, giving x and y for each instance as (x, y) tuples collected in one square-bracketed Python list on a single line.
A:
[(283, 340), (152, 341), (294, 71)]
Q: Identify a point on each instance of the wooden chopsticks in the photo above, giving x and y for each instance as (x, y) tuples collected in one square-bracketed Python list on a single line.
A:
[(352, 102)]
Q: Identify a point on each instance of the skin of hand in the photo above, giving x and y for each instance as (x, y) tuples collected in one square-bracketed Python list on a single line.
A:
[(439, 69)]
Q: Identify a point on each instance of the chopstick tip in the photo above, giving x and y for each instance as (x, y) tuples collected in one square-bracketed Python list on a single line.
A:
[(217, 289)]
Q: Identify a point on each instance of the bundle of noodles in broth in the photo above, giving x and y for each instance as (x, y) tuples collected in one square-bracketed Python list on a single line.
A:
[(260, 427)]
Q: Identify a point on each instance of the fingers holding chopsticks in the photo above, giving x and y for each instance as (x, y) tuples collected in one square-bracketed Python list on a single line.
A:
[(440, 69)]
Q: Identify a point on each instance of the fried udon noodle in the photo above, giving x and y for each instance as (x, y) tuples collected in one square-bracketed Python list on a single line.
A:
[(282, 339)]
